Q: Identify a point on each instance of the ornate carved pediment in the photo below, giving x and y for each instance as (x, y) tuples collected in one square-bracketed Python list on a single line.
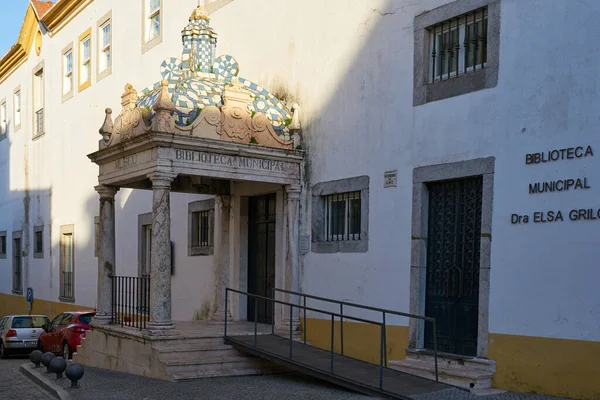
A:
[(132, 121), (236, 120)]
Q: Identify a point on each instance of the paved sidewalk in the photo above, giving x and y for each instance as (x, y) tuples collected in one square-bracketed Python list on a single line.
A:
[(15, 386), (98, 384)]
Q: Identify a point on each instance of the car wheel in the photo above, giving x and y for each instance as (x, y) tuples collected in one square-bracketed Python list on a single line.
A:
[(4, 353), (40, 346), (66, 351)]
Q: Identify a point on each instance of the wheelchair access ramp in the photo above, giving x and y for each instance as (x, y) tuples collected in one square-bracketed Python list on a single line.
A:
[(329, 365)]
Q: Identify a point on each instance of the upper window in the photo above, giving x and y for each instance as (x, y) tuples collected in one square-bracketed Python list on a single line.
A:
[(67, 68), (17, 108), (340, 215), (154, 17), (456, 50), (104, 46), (38, 100), (85, 60), (3, 121), (458, 45), (152, 25)]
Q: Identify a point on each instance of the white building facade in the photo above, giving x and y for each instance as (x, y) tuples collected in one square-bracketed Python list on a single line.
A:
[(445, 171)]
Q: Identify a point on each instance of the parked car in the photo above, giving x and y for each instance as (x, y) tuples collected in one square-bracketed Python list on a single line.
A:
[(64, 333), (20, 333)]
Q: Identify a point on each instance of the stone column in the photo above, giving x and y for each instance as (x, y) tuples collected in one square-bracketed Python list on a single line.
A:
[(221, 255), (160, 268), (106, 253), (291, 266)]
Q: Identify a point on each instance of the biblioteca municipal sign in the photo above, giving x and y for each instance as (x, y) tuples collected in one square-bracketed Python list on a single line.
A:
[(558, 185)]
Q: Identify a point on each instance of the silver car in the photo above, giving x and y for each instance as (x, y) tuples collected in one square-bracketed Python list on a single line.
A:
[(20, 333)]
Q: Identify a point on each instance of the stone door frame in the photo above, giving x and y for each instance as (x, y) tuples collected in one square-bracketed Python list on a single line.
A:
[(483, 167)]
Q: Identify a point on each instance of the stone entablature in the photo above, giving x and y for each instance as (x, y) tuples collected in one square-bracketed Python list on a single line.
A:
[(149, 152)]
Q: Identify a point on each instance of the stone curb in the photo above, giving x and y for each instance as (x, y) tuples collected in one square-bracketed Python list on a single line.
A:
[(37, 376)]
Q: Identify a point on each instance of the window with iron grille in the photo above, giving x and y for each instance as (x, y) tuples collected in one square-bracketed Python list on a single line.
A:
[(38, 242), (3, 244), (456, 49), (340, 216), (200, 230), (343, 216), (458, 45), (67, 263), (17, 281)]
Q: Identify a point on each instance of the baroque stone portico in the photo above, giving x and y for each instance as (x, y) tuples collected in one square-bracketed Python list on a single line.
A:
[(178, 137)]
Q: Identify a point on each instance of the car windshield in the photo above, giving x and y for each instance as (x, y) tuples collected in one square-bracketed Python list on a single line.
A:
[(29, 322), (86, 318)]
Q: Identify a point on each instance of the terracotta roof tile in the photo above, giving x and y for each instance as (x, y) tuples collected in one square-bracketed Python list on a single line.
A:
[(41, 7)]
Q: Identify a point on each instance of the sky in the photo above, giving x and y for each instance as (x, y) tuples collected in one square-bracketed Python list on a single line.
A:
[(13, 14)]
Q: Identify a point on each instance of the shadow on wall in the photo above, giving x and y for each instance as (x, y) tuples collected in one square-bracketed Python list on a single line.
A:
[(52, 256)]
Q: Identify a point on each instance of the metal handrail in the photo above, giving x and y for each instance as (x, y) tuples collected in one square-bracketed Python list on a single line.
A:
[(291, 305), (370, 308)]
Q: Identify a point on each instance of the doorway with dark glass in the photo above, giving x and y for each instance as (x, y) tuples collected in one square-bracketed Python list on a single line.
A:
[(261, 256)]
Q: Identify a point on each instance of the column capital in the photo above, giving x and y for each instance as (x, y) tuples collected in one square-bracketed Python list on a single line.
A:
[(223, 200), (106, 192), (161, 179), (293, 191)]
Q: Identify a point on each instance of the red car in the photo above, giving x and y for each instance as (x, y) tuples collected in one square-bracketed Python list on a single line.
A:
[(64, 333)]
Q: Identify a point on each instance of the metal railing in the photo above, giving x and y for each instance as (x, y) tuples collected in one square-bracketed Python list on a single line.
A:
[(130, 301), (384, 312), (67, 285), (333, 316), (39, 121)]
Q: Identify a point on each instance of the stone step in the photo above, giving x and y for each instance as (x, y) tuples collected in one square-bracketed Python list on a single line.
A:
[(218, 366), (456, 375), (216, 340), (190, 347), (481, 364), (200, 354), (184, 376)]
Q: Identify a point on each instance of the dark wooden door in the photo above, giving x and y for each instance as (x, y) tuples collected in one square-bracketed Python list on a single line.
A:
[(261, 256), (452, 285)]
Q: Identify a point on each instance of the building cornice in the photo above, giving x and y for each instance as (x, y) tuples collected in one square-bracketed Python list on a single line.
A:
[(19, 52), (62, 13)]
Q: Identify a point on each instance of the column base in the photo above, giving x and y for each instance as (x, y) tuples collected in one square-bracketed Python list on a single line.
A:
[(161, 329), (102, 319), (283, 327), (220, 316)]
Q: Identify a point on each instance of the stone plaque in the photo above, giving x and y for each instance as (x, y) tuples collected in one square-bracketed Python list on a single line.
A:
[(390, 179), (304, 244), (126, 163)]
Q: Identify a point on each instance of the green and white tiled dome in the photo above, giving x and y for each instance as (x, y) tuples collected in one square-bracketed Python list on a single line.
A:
[(197, 80)]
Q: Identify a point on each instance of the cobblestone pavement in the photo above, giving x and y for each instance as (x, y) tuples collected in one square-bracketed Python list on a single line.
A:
[(16, 386), (99, 384)]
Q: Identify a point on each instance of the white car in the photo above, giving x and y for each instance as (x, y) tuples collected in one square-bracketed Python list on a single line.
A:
[(20, 333)]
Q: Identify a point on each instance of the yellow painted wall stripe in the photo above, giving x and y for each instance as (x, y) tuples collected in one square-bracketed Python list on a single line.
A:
[(526, 364), (11, 304)]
